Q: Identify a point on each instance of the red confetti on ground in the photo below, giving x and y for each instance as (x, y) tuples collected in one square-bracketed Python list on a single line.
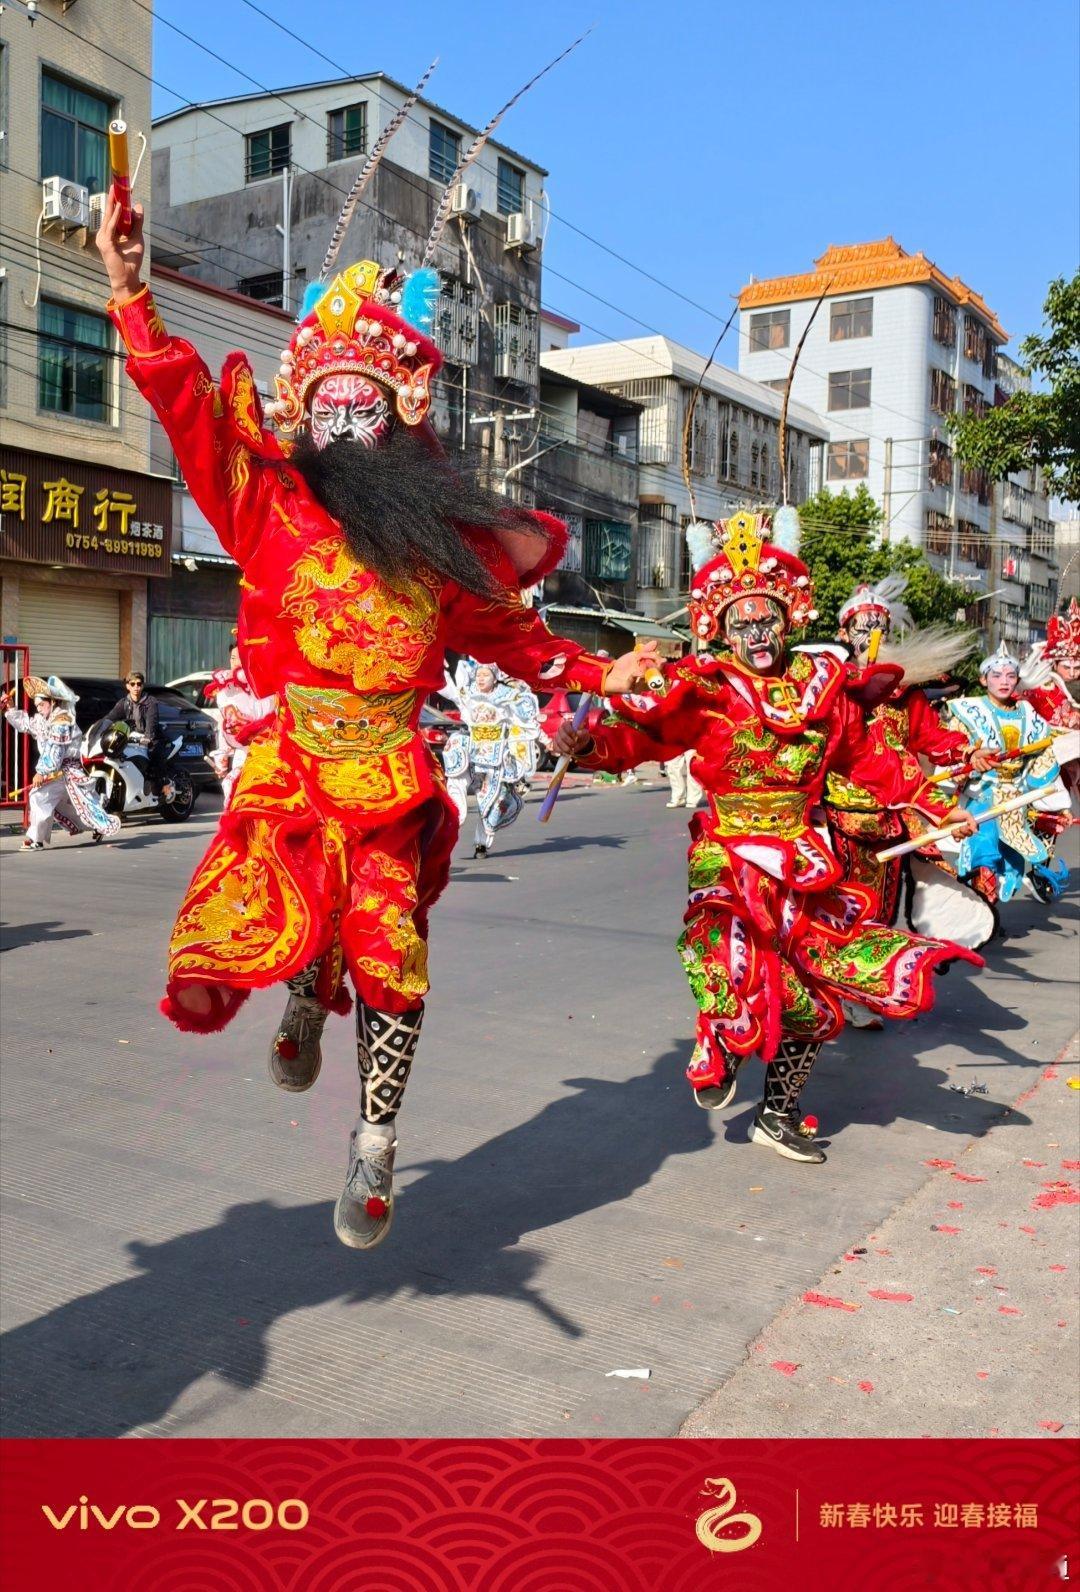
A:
[(986, 1271), (938, 1227), (956, 1205), (1059, 1268), (1056, 1194), (1008, 1310), (982, 1375), (968, 1177), (1051, 1426), (866, 1387), (944, 1165), (827, 1302), (891, 1298), (655, 1299), (1070, 1166), (882, 1251), (1061, 1323), (785, 1367), (1034, 1163), (243, 1321), (1025, 1230), (1050, 1074)]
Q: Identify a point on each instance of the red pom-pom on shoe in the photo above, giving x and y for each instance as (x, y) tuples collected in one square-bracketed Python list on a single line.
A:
[(808, 1126), (287, 1049), (375, 1207)]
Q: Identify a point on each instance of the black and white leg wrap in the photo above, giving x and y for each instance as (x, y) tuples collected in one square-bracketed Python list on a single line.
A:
[(786, 1074), (385, 1045)]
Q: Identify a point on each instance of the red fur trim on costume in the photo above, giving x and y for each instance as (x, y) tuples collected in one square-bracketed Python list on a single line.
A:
[(342, 1002), (224, 1007)]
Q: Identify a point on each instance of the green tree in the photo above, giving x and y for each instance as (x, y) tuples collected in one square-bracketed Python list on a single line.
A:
[(841, 546), (1036, 428)]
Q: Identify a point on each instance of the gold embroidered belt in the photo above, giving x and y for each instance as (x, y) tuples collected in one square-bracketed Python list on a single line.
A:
[(486, 732), (340, 724), (762, 812), (849, 797)]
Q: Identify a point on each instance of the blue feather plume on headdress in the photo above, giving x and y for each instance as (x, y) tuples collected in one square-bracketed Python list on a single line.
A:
[(312, 294), (419, 296)]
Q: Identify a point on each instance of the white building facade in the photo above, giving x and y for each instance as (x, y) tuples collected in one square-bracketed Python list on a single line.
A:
[(895, 348), (734, 448)]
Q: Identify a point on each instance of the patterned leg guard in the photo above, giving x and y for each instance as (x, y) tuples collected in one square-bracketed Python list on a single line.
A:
[(385, 1045), (296, 1054), (776, 1121)]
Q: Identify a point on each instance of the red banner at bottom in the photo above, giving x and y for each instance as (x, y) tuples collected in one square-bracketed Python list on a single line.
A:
[(538, 1516)]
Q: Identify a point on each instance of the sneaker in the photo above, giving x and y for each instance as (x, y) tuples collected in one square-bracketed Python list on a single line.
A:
[(365, 1206), (715, 1096), (32, 845), (296, 1054), (783, 1132), (479, 851), (674, 804)]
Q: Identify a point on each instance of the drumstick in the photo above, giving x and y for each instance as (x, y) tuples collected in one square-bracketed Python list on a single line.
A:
[(121, 174), (548, 803)]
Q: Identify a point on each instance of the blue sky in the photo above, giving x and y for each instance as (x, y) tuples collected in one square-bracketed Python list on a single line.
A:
[(707, 142)]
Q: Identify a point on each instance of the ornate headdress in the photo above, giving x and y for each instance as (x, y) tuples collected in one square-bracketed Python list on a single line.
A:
[(1001, 659), (881, 599), (732, 559), (358, 326), (1063, 636), (53, 688)]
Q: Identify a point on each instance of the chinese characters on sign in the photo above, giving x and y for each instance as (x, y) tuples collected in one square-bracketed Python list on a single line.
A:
[(67, 512), (937, 1516)]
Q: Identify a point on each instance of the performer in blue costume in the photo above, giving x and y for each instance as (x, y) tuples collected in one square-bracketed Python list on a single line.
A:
[(996, 859), (496, 750)]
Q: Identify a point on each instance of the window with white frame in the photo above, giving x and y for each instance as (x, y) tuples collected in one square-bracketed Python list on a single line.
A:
[(510, 188), (851, 318), (74, 133), (444, 152), (849, 389), (75, 347)]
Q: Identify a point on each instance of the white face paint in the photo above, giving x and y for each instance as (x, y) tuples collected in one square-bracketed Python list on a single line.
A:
[(1002, 682), (349, 408)]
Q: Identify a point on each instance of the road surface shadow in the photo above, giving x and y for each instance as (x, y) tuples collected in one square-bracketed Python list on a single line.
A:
[(118, 1358), (14, 936)]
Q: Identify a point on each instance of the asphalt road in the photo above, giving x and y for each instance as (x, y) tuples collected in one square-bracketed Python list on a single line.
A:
[(169, 1262)]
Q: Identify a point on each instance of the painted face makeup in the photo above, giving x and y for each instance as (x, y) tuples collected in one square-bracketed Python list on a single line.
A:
[(755, 629), (859, 629), (1002, 683), (349, 408)]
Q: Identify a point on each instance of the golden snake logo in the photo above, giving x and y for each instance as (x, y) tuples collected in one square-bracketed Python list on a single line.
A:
[(709, 1523)]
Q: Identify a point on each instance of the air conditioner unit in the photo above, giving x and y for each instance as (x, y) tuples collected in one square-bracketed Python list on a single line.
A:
[(65, 204), (98, 203), (465, 203), (520, 232)]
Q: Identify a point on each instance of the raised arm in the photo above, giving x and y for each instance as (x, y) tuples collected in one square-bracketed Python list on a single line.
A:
[(225, 477)]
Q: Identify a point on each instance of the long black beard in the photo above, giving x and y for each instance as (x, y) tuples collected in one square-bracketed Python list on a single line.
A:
[(401, 506)]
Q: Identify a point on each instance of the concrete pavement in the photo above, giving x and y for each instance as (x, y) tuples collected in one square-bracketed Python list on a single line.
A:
[(169, 1264)]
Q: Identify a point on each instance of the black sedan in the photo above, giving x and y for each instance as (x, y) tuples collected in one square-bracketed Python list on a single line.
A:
[(98, 696)]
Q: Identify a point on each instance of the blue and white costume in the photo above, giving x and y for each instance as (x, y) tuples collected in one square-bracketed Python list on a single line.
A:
[(495, 750), (1009, 846), (63, 794)]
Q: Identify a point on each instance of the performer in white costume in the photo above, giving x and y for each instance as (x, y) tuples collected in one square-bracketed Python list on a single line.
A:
[(495, 752), (60, 792)]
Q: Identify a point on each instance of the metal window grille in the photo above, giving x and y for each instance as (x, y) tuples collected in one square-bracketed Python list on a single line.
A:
[(346, 131), (974, 543), (658, 549), (1042, 537), (517, 337), (940, 463), (268, 287), (267, 152), (1017, 503), (942, 391), (944, 323), (851, 318), (444, 152), (457, 322), (606, 549), (939, 532), (571, 559), (510, 188), (849, 389)]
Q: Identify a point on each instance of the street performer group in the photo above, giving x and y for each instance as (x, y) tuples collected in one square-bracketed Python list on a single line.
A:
[(364, 557)]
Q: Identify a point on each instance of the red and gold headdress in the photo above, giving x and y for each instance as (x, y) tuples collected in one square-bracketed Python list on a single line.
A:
[(734, 560), (1063, 636), (354, 328)]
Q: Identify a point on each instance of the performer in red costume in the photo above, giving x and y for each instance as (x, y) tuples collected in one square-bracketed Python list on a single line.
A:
[(775, 938), (1050, 681), (363, 557), (905, 727)]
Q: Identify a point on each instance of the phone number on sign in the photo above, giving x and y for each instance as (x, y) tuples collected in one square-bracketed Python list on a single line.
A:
[(112, 544)]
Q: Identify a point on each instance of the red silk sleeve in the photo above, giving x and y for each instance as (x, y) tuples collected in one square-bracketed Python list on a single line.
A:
[(504, 631), (866, 760), (225, 477), (645, 729), (929, 736)]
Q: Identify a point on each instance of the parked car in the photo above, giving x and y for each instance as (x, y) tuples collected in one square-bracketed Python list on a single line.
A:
[(99, 696), (436, 727), (192, 687)]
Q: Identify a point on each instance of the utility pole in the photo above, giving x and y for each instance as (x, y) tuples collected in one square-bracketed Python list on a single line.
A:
[(285, 228), (886, 490), (500, 467)]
